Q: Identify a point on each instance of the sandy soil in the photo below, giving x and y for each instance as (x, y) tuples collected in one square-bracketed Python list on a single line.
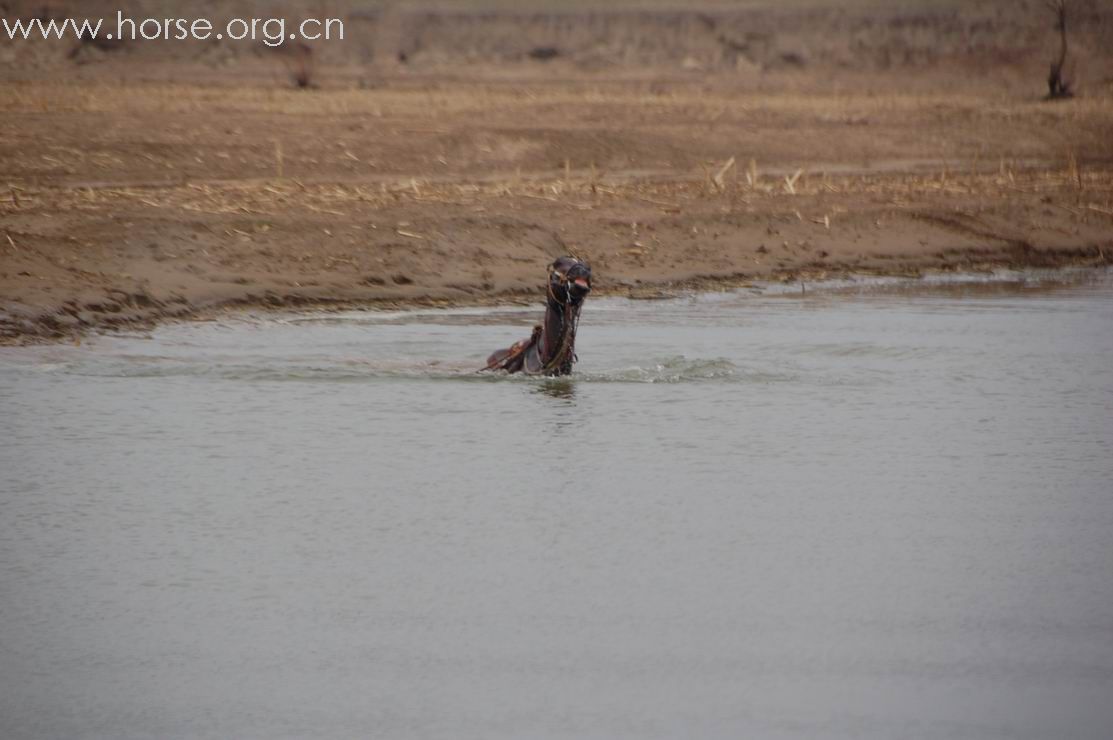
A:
[(131, 193)]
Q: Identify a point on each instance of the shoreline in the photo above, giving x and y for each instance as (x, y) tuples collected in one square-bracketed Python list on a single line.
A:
[(145, 319), (75, 261)]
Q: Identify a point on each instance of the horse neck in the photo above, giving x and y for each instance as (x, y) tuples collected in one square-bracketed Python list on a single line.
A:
[(559, 321)]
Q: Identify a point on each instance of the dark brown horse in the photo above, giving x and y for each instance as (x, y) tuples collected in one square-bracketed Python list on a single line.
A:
[(551, 349)]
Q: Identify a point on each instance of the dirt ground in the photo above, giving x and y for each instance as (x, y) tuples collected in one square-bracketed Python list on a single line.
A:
[(136, 186)]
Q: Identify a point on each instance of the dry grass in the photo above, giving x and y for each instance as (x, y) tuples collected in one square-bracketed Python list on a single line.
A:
[(1089, 190), (477, 130)]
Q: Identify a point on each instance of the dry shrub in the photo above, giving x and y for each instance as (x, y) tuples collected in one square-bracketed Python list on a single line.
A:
[(300, 62), (1058, 79)]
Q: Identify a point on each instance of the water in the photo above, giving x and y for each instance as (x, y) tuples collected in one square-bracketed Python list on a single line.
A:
[(868, 512)]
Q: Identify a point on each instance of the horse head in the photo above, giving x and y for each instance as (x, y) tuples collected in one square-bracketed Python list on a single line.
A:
[(569, 281)]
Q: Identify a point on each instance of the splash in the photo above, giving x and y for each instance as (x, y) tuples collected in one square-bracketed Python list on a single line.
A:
[(673, 369)]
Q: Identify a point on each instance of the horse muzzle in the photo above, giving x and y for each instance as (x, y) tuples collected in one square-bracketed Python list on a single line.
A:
[(578, 278)]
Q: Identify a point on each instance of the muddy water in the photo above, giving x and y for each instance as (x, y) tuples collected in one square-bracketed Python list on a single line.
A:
[(867, 512)]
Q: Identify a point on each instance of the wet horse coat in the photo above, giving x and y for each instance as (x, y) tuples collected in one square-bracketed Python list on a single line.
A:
[(551, 349)]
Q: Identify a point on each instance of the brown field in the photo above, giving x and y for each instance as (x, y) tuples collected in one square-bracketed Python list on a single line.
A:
[(672, 148)]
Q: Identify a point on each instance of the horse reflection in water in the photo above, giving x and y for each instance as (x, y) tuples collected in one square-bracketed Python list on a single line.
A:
[(562, 389), (551, 349)]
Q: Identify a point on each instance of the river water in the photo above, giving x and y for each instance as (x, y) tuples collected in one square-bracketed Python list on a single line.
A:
[(869, 511)]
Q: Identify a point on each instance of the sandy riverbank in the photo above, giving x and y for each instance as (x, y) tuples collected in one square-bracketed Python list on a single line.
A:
[(129, 193)]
